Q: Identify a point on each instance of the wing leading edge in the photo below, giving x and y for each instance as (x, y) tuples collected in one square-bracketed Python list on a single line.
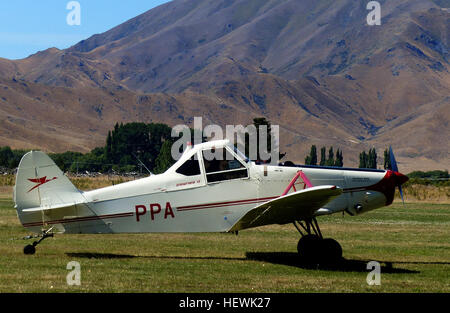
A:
[(286, 209)]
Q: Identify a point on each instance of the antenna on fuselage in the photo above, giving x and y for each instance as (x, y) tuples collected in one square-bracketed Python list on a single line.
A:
[(142, 164)]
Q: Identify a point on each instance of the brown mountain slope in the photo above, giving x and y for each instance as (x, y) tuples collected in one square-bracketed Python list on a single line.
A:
[(313, 67)]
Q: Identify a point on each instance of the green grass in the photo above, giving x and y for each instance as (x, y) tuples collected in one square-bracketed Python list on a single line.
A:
[(411, 242)]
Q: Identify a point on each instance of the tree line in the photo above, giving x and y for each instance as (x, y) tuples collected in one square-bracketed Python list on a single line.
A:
[(366, 159), (140, 147), (130, 147), (370, 159), (330, 160), (10, 158)]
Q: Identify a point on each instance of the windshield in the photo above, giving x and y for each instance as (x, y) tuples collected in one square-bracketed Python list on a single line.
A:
[(240, 154)]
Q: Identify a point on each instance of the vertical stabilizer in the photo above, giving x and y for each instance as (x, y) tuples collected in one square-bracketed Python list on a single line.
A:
[(40, 183)]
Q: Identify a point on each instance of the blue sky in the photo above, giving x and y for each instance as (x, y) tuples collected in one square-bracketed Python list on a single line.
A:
[(29, 26)]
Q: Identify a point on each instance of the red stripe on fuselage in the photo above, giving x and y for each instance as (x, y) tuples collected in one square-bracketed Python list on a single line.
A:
[(79, 219), (220, 204)]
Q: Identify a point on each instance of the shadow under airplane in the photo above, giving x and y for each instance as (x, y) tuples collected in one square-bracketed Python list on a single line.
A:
[(343, 265), (281, 258)]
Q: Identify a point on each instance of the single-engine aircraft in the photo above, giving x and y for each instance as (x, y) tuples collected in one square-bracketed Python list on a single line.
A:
[(197, 194)]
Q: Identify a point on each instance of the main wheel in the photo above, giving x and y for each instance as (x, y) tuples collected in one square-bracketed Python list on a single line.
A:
[(308, 247), (29, 249), (312, 249), (332, 250)]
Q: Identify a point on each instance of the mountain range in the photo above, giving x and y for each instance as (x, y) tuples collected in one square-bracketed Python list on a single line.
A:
[(315, 68)]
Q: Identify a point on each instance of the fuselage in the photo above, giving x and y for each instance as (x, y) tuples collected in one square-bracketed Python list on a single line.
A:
[(208, 199)]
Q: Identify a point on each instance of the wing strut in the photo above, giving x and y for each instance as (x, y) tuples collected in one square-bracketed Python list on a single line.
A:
[(306, 182), (307, 226)]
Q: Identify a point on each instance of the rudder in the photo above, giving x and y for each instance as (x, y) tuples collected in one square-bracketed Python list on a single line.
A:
[(40, 183)]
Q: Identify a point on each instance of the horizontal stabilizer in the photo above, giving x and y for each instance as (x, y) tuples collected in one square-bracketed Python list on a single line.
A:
[(40, 183), (292, 207), (41, 187), (49, 208)]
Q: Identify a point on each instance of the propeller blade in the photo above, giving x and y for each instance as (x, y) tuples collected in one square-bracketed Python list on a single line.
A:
[(400, 178), (393, 161), (401, 193)]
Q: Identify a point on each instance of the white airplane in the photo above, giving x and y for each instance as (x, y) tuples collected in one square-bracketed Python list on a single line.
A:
[(198, 195)]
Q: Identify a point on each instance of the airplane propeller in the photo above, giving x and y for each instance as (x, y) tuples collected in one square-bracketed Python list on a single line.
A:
[(400, 178)]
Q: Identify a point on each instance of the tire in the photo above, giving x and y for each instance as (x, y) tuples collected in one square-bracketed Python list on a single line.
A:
[(29, 250), (307, 248), (332, 250), (313, 250)]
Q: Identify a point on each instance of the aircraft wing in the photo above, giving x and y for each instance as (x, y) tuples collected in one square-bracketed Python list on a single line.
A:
[(292, 207)]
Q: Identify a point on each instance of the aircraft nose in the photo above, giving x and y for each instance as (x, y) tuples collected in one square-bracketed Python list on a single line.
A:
[(400, 178)]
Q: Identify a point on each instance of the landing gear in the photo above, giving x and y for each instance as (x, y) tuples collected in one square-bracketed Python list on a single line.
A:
[(31, 249), (313, 248)]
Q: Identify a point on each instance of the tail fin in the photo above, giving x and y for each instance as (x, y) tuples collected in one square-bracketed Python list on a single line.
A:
[(41, 184)]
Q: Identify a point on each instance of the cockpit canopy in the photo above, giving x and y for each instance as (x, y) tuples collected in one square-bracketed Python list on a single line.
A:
[(219, 160)]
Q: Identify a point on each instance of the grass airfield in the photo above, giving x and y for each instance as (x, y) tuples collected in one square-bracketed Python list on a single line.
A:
[(411, 242)]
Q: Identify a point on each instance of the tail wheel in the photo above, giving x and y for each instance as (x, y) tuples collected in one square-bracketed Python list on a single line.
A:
[(29, 250)]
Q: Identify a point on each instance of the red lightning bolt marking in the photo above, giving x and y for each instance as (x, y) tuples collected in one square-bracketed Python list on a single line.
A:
[(40, 181)]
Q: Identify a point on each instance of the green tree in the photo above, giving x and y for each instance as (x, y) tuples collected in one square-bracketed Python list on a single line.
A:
[(133, 143), (436, 174), (311, 159), (6, 155), (10, 158), (330, 160), (313, 155), (323, 157), (387, 160), (164, 159), (114, 144), (89, 162), (308, 160), (372, 158), (108, 147), (339, 159), (258, 122), (158, 135), (65, 160), (17, 156), (363, 159)]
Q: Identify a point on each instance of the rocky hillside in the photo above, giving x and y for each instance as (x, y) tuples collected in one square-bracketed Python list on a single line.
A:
[(313, 67)]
